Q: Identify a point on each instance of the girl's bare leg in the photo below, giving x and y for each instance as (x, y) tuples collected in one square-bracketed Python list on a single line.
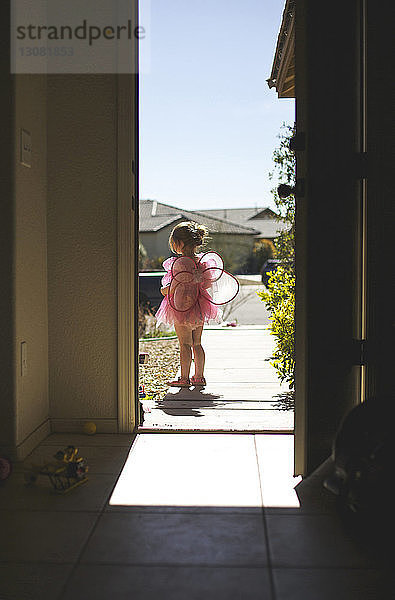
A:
[(184, 335), (198, 352)]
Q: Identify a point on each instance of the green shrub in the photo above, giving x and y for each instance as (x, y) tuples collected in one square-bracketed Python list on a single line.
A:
[(280, 294), (280, 302)]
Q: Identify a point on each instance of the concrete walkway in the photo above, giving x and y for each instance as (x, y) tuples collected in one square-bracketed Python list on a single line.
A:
[(243, 392)]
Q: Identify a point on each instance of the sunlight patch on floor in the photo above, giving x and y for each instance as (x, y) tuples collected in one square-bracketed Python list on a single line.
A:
[(171, 469), (221, 470), (275, 458)]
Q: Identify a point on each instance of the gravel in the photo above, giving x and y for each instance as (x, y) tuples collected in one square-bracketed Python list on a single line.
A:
[(162, 366)]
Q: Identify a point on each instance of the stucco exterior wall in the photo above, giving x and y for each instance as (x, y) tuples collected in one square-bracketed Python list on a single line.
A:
[(156, 243), (235, 249)]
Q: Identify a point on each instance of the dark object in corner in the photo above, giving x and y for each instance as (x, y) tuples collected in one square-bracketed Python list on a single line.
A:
[(362, 455)]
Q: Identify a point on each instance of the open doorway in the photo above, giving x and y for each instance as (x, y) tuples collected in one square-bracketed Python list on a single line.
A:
[(208, 127)]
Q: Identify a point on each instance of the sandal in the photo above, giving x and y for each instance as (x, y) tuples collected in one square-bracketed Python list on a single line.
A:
[(198, 380), (180, 382)]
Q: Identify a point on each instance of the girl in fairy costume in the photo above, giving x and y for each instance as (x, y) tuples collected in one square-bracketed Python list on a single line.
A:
[(194, 287)]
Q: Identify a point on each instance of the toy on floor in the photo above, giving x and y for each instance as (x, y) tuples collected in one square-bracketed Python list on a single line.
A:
[(89, 428), (66, 473)]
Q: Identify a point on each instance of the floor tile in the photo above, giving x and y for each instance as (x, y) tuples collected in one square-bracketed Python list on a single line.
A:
[(330, 584), (176, 538), (44, 536), (173, 583), (32, 581), (205, 470), (313, 541), (89, 496)]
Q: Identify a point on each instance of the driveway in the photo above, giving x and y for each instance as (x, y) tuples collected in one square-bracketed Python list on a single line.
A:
[(247, 308)]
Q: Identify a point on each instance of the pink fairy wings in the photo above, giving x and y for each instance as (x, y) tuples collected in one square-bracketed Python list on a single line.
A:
[(206, 278)]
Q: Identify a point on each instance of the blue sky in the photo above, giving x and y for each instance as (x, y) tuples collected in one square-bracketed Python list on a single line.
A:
[(208, 121)]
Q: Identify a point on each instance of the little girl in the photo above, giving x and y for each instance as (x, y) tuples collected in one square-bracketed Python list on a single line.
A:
[(192, 294)]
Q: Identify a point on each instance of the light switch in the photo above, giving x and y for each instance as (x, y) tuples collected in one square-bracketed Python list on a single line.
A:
[(23, 359)]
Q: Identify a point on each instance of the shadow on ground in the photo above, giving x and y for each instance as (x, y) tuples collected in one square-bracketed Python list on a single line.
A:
[(285, 400), (196, 396)]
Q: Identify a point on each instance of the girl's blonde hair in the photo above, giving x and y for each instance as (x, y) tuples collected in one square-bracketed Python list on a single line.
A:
[(192, 234)]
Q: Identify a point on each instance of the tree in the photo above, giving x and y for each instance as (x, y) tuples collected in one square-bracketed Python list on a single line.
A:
[(284, 168), (261, 251), (280, 294)]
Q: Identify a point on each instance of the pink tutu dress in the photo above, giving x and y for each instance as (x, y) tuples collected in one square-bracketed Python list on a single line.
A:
[(196, 290)]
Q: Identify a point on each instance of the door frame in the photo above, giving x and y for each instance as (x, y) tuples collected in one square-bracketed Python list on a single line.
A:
[(128, 239)]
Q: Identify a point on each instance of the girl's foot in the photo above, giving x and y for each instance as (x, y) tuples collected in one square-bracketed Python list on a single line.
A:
[(198, 380), (180, 382)]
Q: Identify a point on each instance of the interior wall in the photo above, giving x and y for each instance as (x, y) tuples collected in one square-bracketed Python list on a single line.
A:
[(7, 237), (31, 310), (82, 250)]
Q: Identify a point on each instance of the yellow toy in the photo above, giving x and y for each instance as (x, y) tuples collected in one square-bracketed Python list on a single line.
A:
[(66, 473), (89, 428)]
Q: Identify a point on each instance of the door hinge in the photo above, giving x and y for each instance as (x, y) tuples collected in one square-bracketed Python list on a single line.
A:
[(284, 190), (359, 352), (133, 203)]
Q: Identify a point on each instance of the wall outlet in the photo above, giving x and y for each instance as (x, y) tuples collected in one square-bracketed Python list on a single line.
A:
[(23, 359)]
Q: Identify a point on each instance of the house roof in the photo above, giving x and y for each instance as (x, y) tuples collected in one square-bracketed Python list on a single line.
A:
[(154, 215), (263, 219), (282, 76)]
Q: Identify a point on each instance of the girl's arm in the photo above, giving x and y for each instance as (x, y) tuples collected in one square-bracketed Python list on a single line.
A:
[(165, 290)]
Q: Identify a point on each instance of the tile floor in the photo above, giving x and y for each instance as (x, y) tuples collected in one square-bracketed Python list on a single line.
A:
[(181, 516)]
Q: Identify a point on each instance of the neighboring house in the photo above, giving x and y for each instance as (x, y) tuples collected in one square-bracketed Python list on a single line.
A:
[(264, 220), (233, 240)]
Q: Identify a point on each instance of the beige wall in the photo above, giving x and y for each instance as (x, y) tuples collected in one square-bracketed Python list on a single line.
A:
[(59, 259), (23, 269), (31, 314), (82, 250), (60, 280), (59, 251), (7, 245)]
